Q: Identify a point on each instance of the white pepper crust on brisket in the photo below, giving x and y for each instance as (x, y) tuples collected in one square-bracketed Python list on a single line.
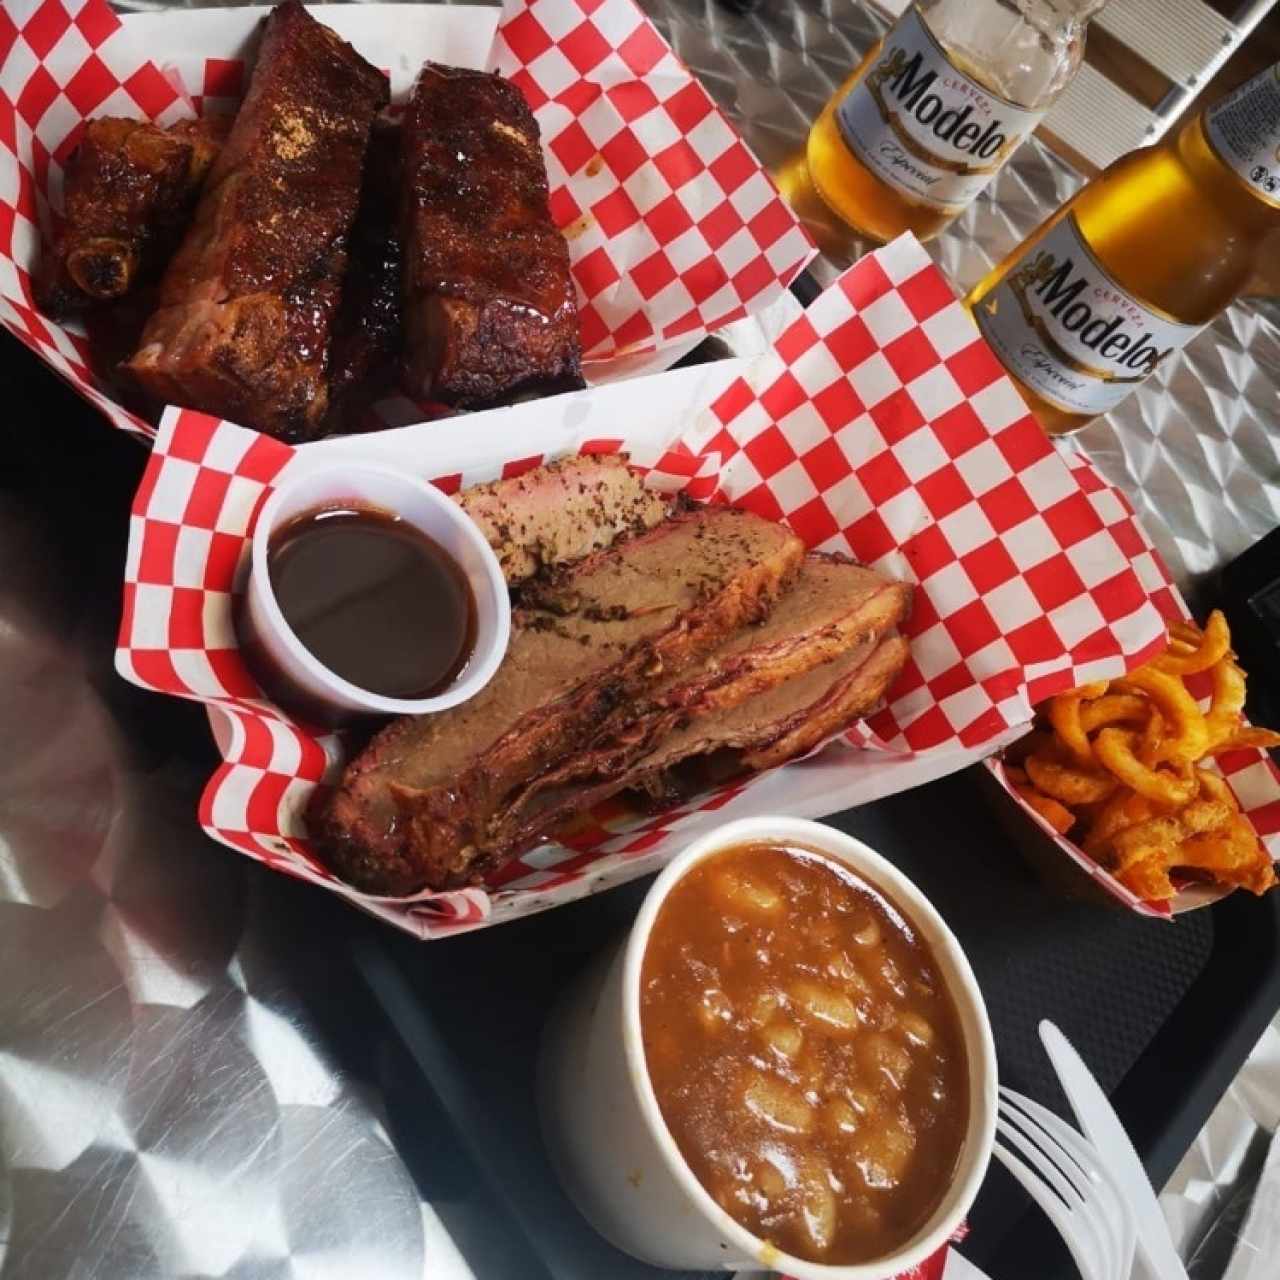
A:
[(561, 512)]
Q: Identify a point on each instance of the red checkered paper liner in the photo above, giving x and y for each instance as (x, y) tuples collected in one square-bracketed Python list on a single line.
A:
[(1252, 775), (674, 229), (879, 425)]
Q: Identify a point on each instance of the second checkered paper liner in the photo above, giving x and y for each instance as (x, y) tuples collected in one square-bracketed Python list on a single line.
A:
[(879, 425)]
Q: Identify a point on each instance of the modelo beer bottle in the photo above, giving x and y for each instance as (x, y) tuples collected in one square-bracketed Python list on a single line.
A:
[(1131, 268), (934, 110)]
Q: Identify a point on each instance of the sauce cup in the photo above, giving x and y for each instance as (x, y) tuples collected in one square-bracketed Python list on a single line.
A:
[(606, 1134), (291, 670)]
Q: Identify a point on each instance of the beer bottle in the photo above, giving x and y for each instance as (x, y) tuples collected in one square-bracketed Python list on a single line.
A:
[(938, 105), (1138, 261)]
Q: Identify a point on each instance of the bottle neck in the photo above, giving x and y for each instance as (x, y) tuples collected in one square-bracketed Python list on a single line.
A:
[(1058, 19)]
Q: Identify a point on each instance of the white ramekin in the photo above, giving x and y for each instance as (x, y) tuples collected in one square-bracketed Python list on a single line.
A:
[(606, 1135), (417, 503)]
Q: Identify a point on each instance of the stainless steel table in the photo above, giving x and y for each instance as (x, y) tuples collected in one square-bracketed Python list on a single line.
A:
[(187, 1066)]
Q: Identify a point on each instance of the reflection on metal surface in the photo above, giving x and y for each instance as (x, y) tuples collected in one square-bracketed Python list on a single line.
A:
[(167, 1107)]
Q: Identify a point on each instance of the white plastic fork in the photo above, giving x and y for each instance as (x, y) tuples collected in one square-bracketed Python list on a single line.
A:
[(1063, 1173)]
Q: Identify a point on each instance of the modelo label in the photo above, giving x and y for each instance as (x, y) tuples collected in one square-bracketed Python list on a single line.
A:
[(926, 128), (1244, 131), (1061, 324)]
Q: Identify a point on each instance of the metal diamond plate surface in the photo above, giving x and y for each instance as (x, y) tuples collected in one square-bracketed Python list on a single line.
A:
[(171, 1101)]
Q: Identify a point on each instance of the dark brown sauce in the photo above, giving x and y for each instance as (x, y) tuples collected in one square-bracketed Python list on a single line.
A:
[(374, 599)]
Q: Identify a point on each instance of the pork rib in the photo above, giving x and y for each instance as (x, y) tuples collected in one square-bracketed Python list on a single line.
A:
[(592, 639), (129, 193), (246, 308), (561, 512), (490, 307)]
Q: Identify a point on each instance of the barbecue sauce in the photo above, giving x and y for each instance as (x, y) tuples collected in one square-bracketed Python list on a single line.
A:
[(374, 599)]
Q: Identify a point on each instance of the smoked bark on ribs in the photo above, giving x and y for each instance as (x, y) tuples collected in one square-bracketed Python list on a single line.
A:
[(246, 308), (584, 643), (490, 308), (128, 196)]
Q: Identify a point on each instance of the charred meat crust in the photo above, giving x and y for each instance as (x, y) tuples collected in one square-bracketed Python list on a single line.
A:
[(490, 306), (245, 313), (129, 193), (364, 361)]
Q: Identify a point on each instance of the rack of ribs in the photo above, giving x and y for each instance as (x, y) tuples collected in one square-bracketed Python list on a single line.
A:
[(129, 192), (245, 313), (490, 308)]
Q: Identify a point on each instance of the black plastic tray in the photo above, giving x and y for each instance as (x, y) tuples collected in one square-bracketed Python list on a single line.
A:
[(1163, 1013)]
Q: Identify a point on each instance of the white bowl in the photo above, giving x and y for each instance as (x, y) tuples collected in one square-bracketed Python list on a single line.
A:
[(606, 1134), (418, 503)]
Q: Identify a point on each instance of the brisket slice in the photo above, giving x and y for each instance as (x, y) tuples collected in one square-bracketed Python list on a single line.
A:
[(561, 512), (243, 323), (594, 638), (129, 193), (784, 722), (490, 306), (788, 723), (836, 613)]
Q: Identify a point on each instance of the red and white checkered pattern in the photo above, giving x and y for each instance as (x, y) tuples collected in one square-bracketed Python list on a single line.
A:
[(674, 229), (1252, 775), (61, 61), (880, 425)]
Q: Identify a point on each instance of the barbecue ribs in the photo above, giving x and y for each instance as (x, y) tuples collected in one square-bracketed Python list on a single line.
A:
[(246, 308), (490, 308)]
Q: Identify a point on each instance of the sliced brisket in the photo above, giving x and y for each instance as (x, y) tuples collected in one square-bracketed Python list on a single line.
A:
[(561, 512), (583, 644), (775, 726), (829, 623)]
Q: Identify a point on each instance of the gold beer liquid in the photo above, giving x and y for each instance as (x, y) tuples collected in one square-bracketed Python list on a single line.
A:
[(937, 106), (850, 189), (1174, 227)]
